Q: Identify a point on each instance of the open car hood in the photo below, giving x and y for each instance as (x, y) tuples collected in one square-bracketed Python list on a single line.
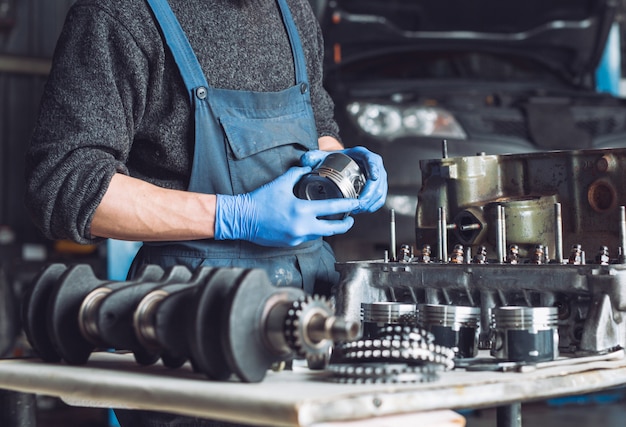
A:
[(568, 36)]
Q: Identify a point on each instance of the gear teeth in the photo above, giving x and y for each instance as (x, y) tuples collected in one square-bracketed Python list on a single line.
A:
[(295, 328)]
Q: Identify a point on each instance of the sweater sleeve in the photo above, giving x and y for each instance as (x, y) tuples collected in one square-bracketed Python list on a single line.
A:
[(93, 98)]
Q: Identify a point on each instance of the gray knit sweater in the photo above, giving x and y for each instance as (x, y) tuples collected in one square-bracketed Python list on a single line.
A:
[(115, 102)]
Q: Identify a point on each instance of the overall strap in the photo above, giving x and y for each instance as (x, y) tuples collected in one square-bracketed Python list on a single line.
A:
[(296, 45), (179, 45)]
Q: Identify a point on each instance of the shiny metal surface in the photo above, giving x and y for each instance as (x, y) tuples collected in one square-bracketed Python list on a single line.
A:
[(87, 314), (591, 299), (586, 184), (144, 318)]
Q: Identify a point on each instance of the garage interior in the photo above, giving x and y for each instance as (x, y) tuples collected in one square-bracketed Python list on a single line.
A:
[(379, 261)]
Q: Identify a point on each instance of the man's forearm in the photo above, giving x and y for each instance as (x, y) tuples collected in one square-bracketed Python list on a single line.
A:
[(133, 209)]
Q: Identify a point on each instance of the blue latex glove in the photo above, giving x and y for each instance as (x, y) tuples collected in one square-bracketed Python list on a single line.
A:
[(272, 215), (373, 195)]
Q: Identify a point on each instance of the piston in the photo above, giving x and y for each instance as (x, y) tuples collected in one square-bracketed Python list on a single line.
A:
[(525, 334), (456, 327), (377, 315), (337, 177)]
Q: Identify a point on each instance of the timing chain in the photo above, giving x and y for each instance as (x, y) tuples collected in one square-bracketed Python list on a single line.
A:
[(394, 354)]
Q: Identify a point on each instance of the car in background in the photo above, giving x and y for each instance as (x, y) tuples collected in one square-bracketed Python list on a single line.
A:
[(414, 79)]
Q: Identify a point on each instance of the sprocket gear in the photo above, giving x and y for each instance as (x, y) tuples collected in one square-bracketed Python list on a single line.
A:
[(300, 316)]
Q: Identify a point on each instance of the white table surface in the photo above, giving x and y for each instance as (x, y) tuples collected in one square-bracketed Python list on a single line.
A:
[(296, 398)]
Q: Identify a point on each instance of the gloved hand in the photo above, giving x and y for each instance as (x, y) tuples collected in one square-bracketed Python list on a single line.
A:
[(272, 215), (373, 195)]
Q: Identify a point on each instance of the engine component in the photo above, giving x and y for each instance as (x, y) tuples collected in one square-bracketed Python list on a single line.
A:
[(224, 320), (106, 314), (589, 298), (160, 316), (395, 344), (382, 373), (525, 334), (338, 176), (62, 311), (453, 326), (377, 315), (516, 207), (530, 188), (34, 312)]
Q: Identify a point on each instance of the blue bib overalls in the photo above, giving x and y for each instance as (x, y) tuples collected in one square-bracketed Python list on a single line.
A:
[(243, 140)]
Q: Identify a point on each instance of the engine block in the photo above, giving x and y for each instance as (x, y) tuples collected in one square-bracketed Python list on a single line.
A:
[(507, 220)]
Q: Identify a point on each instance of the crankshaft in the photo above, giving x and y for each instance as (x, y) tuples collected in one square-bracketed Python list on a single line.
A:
[(224, 321)]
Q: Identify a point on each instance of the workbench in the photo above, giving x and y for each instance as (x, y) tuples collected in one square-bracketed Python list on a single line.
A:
[(298, 397)]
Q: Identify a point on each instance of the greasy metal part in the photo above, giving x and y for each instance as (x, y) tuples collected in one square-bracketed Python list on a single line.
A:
[(66, 298), (406, 253), (576, 255), (170, 316), (88, 311), (396, 344), (558, 234), (224, 320), (243, 346), (276, 310), (143, 320), (458, 255), (603, 257), (311, 328), (116, 312), (444, 148), (87, 314), (387, 312), (377, 315), (603, 356), (304, 326), (453, 326), (34, 312), (467, 255), (309, 324), (442, 236), (528, 186), (512, 256), (206, 327), (425, 253), (332, 328), (500, 233), (481, 255), (382, 373), (551, 200), (392, 235), (591, 298), (490, 364), (622, 234), (538, 255), (527, 334)]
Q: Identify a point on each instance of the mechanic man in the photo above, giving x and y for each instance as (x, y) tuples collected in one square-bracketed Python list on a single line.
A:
[(185, 124)]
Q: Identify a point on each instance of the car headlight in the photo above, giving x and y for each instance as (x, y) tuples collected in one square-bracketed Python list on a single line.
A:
[(392, 121)]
